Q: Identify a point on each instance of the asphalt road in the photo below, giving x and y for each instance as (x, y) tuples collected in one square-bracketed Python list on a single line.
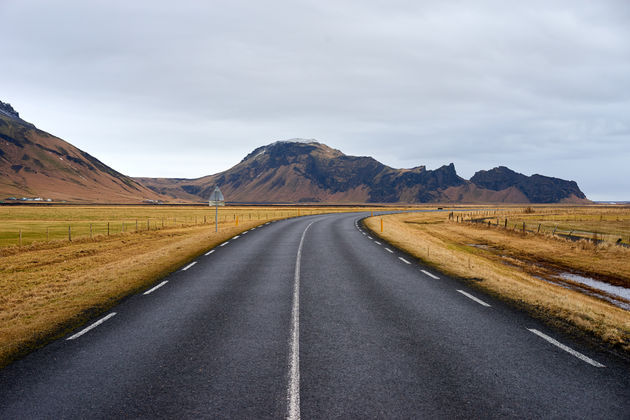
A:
[(311, 317)]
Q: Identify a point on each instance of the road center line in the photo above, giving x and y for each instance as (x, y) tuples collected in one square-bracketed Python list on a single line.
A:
[(566, 348), (293, 392), (389, 250), (209, 252), (189, 265), (469, 296), (404, 260), (96, 324), (156, 287), (433, 276)]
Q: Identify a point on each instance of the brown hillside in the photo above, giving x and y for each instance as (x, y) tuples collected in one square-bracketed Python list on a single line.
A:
[(35, 164)]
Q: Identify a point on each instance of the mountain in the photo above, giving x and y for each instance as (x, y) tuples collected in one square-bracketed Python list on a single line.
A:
[(537, 188), (35, 164), (308, 171)]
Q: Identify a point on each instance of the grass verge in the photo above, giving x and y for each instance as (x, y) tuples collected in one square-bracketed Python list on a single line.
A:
[(49, 289), (448, 246)]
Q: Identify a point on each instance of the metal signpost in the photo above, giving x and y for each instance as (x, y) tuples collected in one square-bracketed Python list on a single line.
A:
[(216, 199)]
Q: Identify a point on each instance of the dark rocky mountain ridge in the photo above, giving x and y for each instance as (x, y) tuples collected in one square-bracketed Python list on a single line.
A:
[(308, 171), (537, 188)]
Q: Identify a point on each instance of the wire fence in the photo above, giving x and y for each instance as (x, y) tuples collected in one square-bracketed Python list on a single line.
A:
[(26, 232), (543, 227)]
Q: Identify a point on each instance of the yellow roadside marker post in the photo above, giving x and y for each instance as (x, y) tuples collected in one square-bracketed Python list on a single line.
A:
[(381, 225)]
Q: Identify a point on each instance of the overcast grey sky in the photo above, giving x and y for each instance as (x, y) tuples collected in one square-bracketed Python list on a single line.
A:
[(188, 88)]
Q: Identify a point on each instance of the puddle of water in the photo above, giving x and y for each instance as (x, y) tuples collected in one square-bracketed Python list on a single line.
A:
[(480, 246), (619, 291)]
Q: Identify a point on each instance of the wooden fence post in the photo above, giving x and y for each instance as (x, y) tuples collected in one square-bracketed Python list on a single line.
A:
[(90, 230), (47, 235), (107, 228), (20, 237), (69, 234)]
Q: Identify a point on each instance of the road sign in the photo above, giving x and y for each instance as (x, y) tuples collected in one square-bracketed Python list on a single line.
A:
[(216, 200)]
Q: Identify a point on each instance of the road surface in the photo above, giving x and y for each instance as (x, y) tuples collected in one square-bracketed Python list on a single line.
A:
[(312, 317)]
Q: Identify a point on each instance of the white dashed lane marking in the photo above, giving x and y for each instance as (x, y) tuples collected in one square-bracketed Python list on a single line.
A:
[(389, 250), (209, 252), (433, 276), (189, 265), (155, 288), (469, 296), (96, 324), (236, 237), (225, 243), (404, 260), (377, 242), (566, 348)]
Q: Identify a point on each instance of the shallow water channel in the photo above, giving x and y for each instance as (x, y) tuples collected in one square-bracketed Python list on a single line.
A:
[(611, 290), (617, 295)]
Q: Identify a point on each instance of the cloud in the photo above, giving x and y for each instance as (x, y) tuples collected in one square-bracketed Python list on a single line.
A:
[(536, 86)]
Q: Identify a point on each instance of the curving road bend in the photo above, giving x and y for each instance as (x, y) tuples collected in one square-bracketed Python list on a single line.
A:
[(312, 318)]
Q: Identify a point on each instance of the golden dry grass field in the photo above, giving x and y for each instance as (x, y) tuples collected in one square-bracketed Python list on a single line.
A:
[(49, 287), (525, 268), (605, 223), (51, 223)]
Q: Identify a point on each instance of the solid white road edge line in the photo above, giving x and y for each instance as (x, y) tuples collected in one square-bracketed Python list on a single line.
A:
[(96, 324), (433, 276), (389, 250), (567, 349), (209, 252), (293, 392), (404, 260), (156, 287), (189, 265), (469, 296)]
